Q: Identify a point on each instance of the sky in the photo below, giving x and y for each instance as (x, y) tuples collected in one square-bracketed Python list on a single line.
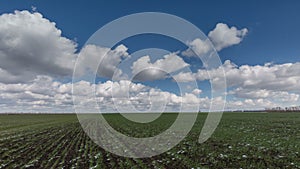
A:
[(40, 42)]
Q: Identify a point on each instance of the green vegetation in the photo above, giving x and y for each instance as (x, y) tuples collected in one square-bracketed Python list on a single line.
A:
[(242, 140)]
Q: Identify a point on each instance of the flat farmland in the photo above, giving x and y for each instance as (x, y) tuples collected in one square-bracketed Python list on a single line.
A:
[(242, 140)]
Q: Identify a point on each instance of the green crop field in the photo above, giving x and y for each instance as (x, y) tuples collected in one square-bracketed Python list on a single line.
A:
[(242, 140)]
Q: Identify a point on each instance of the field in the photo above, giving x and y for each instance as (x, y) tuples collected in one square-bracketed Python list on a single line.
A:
[(242, 140)]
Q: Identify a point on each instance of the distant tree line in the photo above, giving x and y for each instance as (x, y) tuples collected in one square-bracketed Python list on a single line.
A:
[(284, 109)]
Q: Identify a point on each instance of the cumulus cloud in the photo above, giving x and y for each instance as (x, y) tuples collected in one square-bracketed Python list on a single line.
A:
[(279, 97), (197, 91), (33, 53), (124, 94), (144, 70), (223, 36), (276, 83), (7, 77), (31, 45), (103, 60), (197, 47), (47, 95), (250, 104), (44, 94), (283, 77), (39, 95)]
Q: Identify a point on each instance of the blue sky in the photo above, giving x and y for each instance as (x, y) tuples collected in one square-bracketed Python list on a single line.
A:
[(272, 26), (272, 37)]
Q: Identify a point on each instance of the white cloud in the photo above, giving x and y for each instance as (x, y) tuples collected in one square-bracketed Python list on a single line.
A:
[(197, 91), (184, 77), (33, 53), (197, 47), (119, 89), (223, 36), (275, 96), (266, 85), (250, 104), (102, 59), (278, 77), (44, 94), (31, 45), (33, 8), (144, 70)]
